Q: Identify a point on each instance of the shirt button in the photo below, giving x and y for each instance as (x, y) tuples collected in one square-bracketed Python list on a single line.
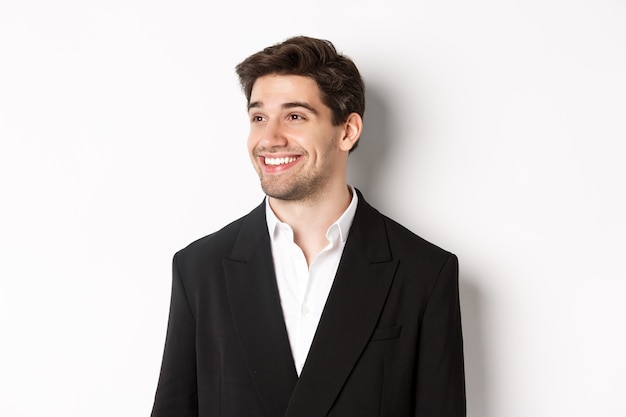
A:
[(305, 310)]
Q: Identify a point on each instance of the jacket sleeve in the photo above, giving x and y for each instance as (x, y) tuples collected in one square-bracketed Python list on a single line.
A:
[(440, 371), (177, 392)]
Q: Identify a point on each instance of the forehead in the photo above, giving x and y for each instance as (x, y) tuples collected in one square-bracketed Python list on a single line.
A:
[(277, 89)]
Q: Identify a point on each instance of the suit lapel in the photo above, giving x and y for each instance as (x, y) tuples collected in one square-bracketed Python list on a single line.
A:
[(350, 315), (255, 303)]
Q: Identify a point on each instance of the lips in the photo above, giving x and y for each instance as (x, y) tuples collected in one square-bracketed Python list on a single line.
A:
[(278, 163)]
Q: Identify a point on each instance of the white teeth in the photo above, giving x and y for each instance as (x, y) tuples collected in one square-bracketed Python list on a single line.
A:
[(279, 161)]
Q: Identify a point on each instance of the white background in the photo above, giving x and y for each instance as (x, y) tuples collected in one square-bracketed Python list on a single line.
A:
[(495, 129)]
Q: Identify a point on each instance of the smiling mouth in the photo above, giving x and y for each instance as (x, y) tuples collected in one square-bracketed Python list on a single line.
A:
[(279, 161)]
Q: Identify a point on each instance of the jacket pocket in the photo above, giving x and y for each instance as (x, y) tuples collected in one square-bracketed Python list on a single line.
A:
[(386, 333)]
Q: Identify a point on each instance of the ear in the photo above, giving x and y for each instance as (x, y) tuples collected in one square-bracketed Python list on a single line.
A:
[(352, 132)]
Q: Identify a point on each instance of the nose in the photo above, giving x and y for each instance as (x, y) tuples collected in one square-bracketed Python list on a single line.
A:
[(273, 135)]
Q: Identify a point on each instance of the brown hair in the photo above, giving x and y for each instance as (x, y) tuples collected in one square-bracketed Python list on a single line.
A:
[(340, 83)]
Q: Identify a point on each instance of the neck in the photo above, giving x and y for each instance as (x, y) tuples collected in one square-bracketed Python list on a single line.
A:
[(310, 219)]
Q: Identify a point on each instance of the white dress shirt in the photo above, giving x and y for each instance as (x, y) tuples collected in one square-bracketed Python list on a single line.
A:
[(304, 289)]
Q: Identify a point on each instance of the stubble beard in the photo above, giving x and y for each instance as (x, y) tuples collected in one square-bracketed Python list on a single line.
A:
[(299, 187), (306, 185)]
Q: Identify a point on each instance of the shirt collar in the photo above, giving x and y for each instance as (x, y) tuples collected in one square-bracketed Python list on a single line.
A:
[(344, 222)]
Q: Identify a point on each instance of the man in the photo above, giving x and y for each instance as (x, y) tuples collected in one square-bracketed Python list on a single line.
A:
[(313, 304)]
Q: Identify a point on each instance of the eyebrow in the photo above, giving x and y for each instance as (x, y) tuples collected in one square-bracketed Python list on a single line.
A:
[(289, 105)]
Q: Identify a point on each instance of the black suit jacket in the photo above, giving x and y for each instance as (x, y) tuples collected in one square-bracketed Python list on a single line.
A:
[(388, 343)]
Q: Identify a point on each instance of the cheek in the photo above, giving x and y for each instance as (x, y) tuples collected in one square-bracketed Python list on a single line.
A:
[(255, 136), (251, 142)]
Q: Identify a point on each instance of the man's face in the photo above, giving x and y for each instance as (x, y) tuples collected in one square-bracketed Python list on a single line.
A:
[(293, 145)]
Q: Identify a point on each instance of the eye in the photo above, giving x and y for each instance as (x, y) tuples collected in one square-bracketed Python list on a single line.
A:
[(295, 116), (256, 118)]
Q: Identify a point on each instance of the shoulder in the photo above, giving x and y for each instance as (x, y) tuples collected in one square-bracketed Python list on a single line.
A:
[(220, 243), (403, 243), (414, 250), (421, 263), (400, 237)]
